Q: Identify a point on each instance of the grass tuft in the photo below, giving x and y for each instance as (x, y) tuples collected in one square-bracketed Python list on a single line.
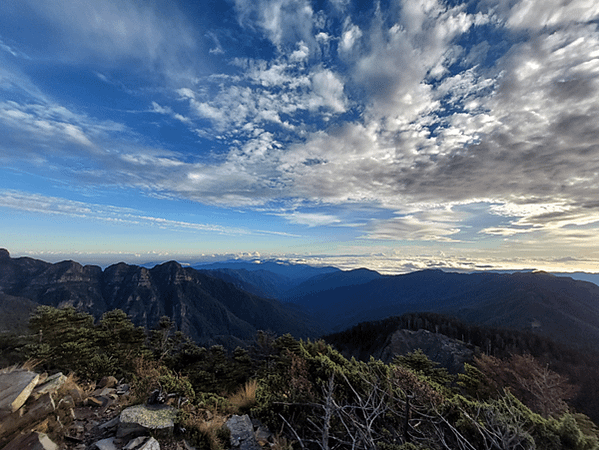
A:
[(245, 397)]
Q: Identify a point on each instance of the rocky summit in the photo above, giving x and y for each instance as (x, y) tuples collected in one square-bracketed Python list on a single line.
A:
[(41, 412)]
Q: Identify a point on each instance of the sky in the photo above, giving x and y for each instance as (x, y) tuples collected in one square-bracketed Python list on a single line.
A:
[(396, 135)]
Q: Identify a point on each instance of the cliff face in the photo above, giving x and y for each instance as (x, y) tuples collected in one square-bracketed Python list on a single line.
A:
[(207, 309)]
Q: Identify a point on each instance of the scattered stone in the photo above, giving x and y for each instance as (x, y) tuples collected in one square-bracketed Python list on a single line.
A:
[(50, 386), (31, 441), (185, 446), (103, 392), (143, 443), (113, 423), (137, 442), (15, 388), (77, 430), (93, 401), (263, 436), (67, 402), (151, 444), (105, 444), (71, 438), (123, 389), (19, 420), (77, 394)]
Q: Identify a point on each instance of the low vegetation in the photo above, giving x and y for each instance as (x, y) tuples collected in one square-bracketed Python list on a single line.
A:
[(313, 397)]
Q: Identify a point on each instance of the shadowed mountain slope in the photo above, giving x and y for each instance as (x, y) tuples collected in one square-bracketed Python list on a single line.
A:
[(559, 307), (206, 308)]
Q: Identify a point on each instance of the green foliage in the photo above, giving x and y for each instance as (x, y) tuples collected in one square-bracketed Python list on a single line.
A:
[(315, 395), (420, 364), (212, 401), (119, 338), (68, 340), (65, 339), (476, 384)]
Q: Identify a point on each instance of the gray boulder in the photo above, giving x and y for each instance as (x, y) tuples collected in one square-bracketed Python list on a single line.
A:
[(15, 388), (146, 419), (242, 433)]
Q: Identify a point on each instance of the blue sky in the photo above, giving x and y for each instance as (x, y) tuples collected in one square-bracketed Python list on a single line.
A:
[(396, 135)]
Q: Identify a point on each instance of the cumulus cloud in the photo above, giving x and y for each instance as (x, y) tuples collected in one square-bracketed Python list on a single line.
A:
[(269, 94)]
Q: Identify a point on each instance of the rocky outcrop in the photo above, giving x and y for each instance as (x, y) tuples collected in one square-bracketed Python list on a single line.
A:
[(449, 353)]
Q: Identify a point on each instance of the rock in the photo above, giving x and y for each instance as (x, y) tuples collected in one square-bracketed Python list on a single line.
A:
[(51, 385), (77, 394), (113, 423), (142, 419), (242, 433), (66, 402), (105, 444), (108, 382), (15, 388), (92, 401), (123, 389), (449, 353), (263, 436), (31, 441), (37, 412), (135, 443), (151, 444)]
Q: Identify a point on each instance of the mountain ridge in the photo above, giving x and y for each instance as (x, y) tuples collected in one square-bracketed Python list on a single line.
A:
[(206, 308)]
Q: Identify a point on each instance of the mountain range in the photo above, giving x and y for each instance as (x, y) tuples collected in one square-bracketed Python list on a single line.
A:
[(206, 308), (228, 302)]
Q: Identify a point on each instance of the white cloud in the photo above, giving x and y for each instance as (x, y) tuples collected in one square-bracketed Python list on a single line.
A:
[(301, 53), (311, 219), (329, 88), (537, 14), (113, 31), (269, 93), (429, 121), (284, 22), (350, 36), (42, 204), (169, 112), (411, 228)]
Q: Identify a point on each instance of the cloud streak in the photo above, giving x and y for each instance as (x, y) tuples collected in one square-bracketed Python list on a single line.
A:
[(42, 204)]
